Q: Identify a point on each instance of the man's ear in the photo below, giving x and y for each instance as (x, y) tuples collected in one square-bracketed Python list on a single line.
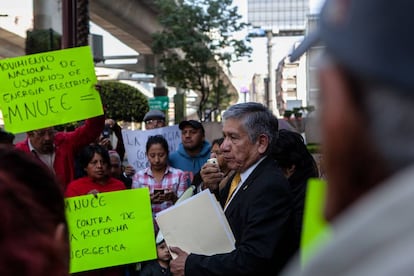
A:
[(263, 143)]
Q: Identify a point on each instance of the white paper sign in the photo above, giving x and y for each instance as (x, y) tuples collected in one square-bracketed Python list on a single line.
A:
[(136, 140), (206, 233)]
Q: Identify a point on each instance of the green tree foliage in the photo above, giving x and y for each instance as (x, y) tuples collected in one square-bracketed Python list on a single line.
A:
[(196, 38), (123, 102)]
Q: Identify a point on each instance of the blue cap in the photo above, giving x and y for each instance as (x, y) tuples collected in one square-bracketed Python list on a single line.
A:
[(371, 38)]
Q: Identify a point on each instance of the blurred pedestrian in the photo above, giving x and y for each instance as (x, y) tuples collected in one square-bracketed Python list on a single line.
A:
[(154, 119), (34, 234), (298, 166), (367, 100)]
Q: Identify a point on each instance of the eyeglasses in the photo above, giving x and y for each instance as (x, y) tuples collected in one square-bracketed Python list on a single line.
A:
[(154, 122)]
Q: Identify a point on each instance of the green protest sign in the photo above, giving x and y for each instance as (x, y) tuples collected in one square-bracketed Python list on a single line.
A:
[(316, 230), (48, 89), (110, 229)]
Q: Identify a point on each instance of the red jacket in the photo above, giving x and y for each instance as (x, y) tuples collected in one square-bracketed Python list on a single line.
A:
[(85, 185), (68, 144)]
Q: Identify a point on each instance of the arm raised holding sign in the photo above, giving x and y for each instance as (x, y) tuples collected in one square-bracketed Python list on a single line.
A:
[(57, 149)]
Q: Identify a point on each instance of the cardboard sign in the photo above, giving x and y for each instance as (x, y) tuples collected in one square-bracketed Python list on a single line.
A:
[(135, 142), (48, 89), (110, 229)]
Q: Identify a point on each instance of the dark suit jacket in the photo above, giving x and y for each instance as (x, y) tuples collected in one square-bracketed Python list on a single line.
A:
[(261, 218)]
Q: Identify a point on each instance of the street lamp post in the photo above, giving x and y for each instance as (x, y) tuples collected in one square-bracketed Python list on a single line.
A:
[(270, 78), (269, 81), (244, 90)]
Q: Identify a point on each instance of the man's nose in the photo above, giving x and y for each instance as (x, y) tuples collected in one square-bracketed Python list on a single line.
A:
[(48, 136), (225, 145)]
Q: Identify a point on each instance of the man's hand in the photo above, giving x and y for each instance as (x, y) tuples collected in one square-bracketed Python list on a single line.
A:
[(211, 175), (105, 142), (169, 195), (157, 198), (129, 170), (177, 265)]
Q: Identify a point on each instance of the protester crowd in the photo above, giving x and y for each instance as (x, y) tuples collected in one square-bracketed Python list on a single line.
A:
[(257, 172), (262, 217)]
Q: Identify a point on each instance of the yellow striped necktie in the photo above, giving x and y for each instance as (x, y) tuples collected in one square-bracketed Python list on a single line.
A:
[(233, 186)]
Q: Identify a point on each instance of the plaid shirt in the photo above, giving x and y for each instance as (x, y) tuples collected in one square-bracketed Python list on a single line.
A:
[(174, 179)]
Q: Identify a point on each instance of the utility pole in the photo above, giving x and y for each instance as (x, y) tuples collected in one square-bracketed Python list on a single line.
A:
[(270, 78), (68, 23), (75, 23)]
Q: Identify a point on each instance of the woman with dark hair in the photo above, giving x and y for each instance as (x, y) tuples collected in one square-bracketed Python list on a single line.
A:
[(94, 160), (298, 165), (164, 182), (33, 231)]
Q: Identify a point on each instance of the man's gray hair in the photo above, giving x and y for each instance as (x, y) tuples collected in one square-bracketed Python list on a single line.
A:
[(256, 119), (115, 154)]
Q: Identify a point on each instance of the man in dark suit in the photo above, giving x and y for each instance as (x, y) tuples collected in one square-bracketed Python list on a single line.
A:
[(258, 206)]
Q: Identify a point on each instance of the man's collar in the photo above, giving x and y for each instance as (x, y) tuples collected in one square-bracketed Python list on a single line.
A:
[(244, 175), (32, 149)]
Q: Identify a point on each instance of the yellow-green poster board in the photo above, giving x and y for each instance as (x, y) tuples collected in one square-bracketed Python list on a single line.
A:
[(316, 230), (110, 229), (48, 89)]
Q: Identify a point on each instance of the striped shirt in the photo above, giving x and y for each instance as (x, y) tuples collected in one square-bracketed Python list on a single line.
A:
[(174, 180)]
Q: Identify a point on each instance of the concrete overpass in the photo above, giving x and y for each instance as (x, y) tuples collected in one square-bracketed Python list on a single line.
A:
[(12, 45), (131, 21)]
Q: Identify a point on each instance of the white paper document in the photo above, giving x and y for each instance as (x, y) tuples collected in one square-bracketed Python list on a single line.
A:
[(197, 225)]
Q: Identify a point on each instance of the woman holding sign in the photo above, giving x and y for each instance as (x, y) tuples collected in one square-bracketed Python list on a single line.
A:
[(96, 164), (165, 183)]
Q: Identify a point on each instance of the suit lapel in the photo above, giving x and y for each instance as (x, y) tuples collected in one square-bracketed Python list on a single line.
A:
[(246, 185)]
